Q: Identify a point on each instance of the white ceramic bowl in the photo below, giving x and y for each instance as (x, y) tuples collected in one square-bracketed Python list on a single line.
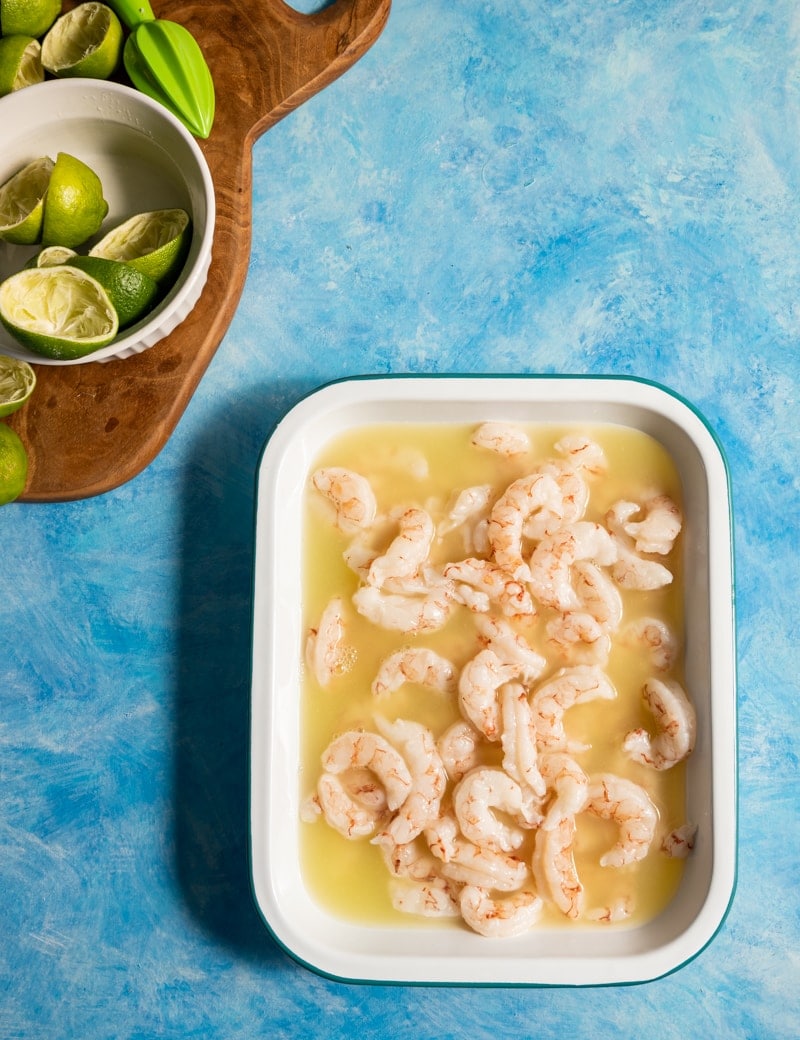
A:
[(418, 953), (145, 159)]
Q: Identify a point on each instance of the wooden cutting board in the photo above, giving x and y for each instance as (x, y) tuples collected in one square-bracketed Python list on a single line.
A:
[(89, 428)]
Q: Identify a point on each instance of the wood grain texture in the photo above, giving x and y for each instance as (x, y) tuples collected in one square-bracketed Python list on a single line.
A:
[(89, 428)]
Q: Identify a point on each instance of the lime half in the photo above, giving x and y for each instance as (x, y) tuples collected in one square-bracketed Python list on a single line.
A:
[(74, 207), (132, 292), (17, 382), (13, 465), (20, 63), (86, 41), (22, 203), (58, 312), (155, 242), (51, 255)]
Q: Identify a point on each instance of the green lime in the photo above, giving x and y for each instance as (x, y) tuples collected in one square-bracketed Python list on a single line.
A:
[(58, 312), (17, 381), (20, 63), (13, 465), (132, 292), (86, 41), (28, 17), (51, 255), (155, 242), (74, 208), (22, 203)]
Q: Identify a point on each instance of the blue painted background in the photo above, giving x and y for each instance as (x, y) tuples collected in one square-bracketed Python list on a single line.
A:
[(528, 186)]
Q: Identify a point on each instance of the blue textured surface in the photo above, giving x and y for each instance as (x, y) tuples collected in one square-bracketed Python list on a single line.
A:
[(551, 186)]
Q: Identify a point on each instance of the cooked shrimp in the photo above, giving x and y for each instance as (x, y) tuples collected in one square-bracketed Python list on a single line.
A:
[(493, 583), (407, 551), (360, 749), (518, 740), (661, 525), (675, 716), (629, 806), (406, 859), (478, 686), (657, 636), (573, 500), (471, 864), (579, 638), (458, 749), (680, 841), (504, 438), (351, 816), (569, 784), (511, 646), (403, 613), (350, 494), (597, 594), (523, 497), (475, 798), (552, 560), (471, 505), (435, 898), (415, 664), (324, 652), (620, 909), (554, 865), (630, 570), (583, 453), (428, 777), (499, 918), (568, 687)]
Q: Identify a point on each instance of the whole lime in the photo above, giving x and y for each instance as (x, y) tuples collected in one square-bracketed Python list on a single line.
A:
[(13, 465)]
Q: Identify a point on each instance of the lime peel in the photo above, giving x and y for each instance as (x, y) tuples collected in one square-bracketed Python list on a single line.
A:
[(17, 383)]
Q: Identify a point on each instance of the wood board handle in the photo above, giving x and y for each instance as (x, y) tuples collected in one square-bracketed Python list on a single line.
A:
[(89, 428)]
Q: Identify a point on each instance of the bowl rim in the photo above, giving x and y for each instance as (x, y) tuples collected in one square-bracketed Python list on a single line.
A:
[(182, 297), (492, 968)]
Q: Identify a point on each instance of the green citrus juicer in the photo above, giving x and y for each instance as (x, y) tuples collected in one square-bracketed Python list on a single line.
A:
[(165, 62)]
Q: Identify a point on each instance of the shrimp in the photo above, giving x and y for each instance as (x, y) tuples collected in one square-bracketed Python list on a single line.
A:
[(478, 684), (499, 918), (552, 560), (458, 749), (680, 841), (493, 584), (629, 570), (344, 810), (407, 551), (569, 784), (657, 636), (350, 494), (583, 453), (662, 524), (597, 594), (675, 715), (470, 864), (324, 652), (428, 777), (579, 637), (471, 507), (482, 790), (523, 497), (435, 898), (511, 647), (415, 664), (620, 909), (626, 803), (504, 438), (568, 687), (360, 749), (518, 740), (554, 867), (406, 859), (399, 612), (573, 500)]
